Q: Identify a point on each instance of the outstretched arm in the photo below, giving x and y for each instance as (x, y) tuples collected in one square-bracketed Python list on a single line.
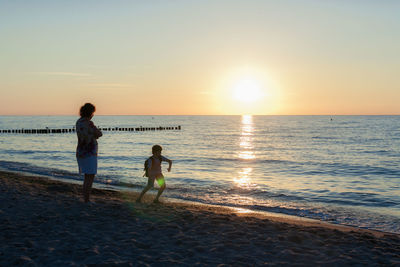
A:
[(170, 165)]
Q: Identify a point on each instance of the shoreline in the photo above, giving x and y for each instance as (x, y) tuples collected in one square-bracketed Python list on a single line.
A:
[(294, 219), (45, 222)]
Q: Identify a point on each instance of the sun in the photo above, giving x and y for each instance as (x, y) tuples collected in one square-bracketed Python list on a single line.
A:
[(247, 90)]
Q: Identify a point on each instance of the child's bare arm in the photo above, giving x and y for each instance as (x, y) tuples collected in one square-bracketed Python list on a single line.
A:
[(170, 165)]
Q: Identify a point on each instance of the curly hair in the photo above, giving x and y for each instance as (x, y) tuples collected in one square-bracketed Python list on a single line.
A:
[(87, 110)]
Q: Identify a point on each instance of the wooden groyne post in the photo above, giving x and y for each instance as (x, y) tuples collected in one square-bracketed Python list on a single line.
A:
[(111, 129)]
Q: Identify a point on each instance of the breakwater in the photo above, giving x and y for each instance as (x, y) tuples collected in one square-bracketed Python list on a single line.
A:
[(72, 130)]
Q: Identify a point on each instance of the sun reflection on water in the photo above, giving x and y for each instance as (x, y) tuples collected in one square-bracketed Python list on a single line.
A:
[(247, 119), (247, 125), (243, 178), (247, 155), (242, 211), (246, 146)]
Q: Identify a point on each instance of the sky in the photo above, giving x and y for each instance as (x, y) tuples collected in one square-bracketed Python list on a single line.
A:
[(204, 57)]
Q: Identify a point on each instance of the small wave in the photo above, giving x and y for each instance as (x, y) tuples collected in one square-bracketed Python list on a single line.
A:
[(324, 137), (14, 151), (32, 169), (187, 160), (236, 159), (342, 169), (121, 158), (379, 152), (371, 202)]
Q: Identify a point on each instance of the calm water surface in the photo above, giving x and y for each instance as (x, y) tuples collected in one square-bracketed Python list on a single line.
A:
[(341, 169)]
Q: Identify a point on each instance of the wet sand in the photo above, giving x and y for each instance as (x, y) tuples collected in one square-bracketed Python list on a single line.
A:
[(44, 222)]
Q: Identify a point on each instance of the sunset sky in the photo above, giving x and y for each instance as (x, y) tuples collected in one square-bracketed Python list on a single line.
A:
[(294, 57)]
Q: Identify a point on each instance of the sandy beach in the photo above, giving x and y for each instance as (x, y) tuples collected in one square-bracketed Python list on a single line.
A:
[(45, 223)]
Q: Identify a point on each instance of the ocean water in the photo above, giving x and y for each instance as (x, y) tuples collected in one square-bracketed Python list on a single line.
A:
[(340, 169)]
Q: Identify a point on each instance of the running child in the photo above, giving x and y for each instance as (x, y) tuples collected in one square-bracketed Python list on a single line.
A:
[(153, 172)]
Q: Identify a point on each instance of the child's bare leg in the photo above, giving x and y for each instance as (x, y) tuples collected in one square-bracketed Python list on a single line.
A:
[(162, 187), (147, 188), (87, 186), (150, 183)]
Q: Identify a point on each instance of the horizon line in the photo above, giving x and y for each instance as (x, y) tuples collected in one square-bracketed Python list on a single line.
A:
[(34, 115)]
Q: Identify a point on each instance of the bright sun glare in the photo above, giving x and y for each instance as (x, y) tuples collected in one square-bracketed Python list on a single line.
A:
[(247, 90)]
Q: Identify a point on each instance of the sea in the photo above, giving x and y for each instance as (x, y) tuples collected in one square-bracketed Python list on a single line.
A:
[(338, 169)]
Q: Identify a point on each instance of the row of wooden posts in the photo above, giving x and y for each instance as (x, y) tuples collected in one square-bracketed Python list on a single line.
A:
[(72, 130)]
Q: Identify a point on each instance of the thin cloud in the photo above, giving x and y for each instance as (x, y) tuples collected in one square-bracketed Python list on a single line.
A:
[(119, 85), (56, 73)]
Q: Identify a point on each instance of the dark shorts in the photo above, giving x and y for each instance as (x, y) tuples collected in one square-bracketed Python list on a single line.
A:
[(160, 180)]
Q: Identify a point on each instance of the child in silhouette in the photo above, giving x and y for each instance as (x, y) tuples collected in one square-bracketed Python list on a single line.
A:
[(155, 173)]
